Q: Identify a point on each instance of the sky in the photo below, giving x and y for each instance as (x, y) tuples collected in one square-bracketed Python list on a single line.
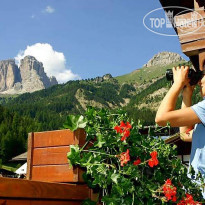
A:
[(79, 39)]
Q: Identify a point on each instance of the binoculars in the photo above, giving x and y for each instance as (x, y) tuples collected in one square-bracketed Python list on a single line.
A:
[(194, 76)]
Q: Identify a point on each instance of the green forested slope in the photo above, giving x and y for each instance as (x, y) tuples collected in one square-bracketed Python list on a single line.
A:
[(51, 106), (14, 130)]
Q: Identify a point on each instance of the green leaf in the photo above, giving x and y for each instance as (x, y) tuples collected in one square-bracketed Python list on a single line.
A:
[(100, 141), (111, 200), (115, 177), (101, 169), (88, 180), (74, 155), (74, 122)]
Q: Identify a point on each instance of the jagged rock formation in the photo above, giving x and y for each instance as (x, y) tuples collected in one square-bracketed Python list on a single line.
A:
[(9, 74), (164, 58), (105, 77), (53, 81), (33, 76), (29, 77)]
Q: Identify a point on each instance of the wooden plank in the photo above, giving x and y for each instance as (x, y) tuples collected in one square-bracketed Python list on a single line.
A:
[(26, 189), (56, 173), (200, 15), (94, 196), (80, 137), (191, 34), (50, 155), (56, 202), (53, 138), (14, 202), (59, 138), (193, 46), (37, 202), (30, 156), (193, 31)]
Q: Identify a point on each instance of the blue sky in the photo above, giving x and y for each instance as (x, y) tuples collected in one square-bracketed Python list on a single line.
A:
[(95, 36)]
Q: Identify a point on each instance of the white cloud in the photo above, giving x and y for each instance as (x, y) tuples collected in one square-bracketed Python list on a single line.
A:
[(54, 62), (33, 16), (49, 10)]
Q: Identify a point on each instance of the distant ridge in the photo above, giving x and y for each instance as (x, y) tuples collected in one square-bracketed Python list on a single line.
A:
[(163, 58)]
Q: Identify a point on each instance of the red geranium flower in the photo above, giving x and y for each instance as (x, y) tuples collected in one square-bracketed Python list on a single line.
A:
[(123, 129), (124, 157), (136, 162), (153, 154), (118, 129), (170, 191), (168, 182), (153, 161), (127, 125), (174, 198), (188, 200)]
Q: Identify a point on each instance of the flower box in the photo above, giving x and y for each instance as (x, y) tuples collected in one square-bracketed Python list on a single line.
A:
[(47, 156)]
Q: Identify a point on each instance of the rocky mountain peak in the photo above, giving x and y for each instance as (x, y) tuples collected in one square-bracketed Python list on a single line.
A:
[(105, 77), (29, 77), (164, 58), (9, 74), (53, 80), (6, 62)]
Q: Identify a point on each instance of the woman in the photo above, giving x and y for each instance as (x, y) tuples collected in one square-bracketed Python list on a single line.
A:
[(190, 119)]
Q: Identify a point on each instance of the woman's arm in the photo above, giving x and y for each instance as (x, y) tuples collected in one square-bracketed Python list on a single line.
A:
[(187, 131), (167, 113)]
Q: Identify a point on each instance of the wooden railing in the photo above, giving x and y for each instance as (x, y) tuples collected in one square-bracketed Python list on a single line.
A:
[(26, 192)]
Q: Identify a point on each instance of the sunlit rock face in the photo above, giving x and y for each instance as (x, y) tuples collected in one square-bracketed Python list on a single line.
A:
[(164, 58), (29, 77)]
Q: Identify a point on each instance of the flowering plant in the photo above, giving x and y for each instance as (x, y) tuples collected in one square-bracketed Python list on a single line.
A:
[(127, 167)]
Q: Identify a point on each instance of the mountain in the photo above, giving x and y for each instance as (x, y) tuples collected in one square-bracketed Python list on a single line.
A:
[(140, 97), (29, 77), (146, 75), (131, 91), (154, 69), (163, 58)]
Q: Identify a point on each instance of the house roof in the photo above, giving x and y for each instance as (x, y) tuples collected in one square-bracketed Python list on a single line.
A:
[(21, 157), (179, 3), (177, 7)]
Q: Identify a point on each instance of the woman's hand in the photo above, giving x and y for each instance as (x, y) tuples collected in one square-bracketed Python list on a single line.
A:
[(180, 75), (167, 113)]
